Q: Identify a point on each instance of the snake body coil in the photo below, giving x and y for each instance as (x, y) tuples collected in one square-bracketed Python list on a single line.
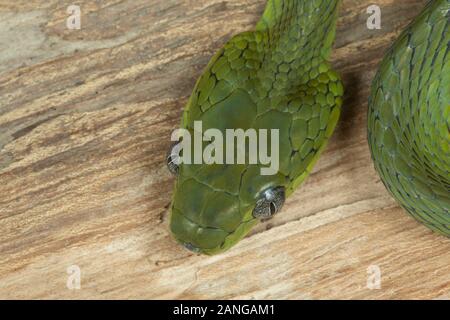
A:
[(275, 77), (409, 118)]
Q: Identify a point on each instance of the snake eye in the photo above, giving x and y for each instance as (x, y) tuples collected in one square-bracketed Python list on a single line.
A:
[(173, 158), (270, 203)]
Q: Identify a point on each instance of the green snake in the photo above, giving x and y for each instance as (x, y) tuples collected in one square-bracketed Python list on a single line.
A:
[(277, 76), (409, 118), (274, 77)]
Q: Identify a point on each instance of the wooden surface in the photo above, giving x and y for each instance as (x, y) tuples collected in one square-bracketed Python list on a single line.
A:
[(85, 121)]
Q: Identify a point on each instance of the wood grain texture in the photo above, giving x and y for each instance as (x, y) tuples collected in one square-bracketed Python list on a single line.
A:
[(85, 122)]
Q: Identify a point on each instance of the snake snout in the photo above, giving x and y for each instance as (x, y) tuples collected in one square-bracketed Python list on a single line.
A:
[(191, 247)]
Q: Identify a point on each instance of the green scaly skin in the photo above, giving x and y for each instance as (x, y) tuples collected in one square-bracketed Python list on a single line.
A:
[(409, 118), (275, 77)]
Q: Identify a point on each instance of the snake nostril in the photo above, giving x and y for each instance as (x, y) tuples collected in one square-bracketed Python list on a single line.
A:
[(191, 247)]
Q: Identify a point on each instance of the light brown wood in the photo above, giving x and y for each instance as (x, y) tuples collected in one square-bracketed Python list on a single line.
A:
[(85, 122)]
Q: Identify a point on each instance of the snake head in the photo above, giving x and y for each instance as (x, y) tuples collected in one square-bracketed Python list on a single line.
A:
[(214, 206)]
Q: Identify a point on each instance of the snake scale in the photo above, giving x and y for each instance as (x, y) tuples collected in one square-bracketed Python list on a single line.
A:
[(278, 77), (409, 118)]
